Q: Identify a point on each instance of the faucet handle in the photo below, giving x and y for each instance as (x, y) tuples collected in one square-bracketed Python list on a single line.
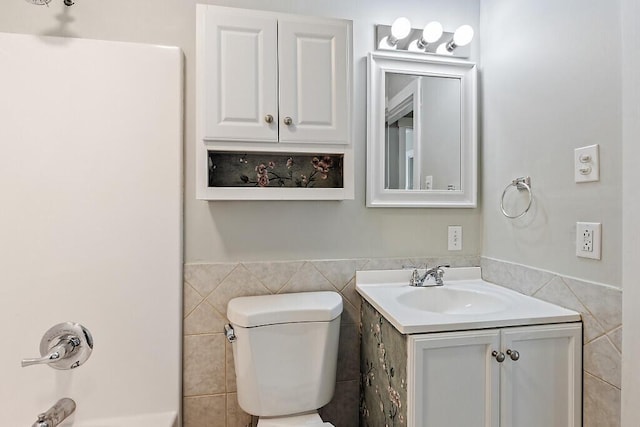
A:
[(62, 350), (437, 273), (415, 279), (64, 346)]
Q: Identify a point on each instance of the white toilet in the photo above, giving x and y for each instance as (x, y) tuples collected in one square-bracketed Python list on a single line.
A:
[(285, 349)]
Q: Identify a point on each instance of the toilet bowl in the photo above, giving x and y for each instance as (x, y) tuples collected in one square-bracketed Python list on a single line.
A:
[(285, 350)]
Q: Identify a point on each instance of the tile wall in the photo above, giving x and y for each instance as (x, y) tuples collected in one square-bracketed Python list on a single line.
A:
[(209, 388), (209, 381), (601, 309)]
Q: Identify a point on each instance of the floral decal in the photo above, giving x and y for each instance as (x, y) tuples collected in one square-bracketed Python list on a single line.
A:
[(383, 372), (231, 169)]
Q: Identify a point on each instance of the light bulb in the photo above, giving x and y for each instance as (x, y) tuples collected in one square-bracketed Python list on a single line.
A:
[(443, 50), (386, 44), (414, 46), (463, 35), (400, 28), (432, 32)]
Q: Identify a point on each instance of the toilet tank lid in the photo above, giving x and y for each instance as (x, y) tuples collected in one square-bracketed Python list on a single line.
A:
[(284, 308)]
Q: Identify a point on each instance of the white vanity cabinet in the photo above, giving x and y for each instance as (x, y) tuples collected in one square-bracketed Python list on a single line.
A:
[(529, 376), (270, 77)]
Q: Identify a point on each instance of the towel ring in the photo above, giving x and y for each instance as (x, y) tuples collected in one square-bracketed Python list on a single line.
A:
[(522, 183)]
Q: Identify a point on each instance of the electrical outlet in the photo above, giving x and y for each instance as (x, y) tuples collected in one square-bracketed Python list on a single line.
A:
[(455, 238), (588, 239), (428, 182)]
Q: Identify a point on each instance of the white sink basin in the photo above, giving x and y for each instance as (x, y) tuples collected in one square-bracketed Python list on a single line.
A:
[(464, 302), (448, 300)]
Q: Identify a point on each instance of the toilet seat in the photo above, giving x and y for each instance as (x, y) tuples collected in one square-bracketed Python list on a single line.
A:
[(307, 420)]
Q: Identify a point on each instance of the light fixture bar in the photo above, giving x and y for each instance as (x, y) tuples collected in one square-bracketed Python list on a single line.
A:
[(383, 31)]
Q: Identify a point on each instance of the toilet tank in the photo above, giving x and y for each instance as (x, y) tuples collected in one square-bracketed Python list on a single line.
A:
[(285, 351)]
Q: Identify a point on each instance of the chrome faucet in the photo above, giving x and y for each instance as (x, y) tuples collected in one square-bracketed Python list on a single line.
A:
[(64, 346), (56, 414), (437, 273)]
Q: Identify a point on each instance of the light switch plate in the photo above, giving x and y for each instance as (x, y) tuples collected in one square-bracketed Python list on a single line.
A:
[(587, 163), (588, 239)]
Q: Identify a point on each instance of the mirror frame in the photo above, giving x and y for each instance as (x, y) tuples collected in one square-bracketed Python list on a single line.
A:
[(379, 64)]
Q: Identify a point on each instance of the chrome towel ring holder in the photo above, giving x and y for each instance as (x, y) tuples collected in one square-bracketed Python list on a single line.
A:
[(522, 184)]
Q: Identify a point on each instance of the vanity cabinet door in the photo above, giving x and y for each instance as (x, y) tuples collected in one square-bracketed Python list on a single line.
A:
[(543, 387), (314, 68), (454, 379), (240, 98)]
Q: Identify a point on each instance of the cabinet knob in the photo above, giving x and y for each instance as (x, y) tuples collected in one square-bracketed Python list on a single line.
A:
[(499, 356), (513, 354), (268, 118), (288, 121)]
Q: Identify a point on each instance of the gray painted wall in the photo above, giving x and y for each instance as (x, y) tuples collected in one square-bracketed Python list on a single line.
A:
[(223, 231), (551, 82)]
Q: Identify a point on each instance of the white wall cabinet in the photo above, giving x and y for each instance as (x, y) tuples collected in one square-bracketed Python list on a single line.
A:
[(461, 379), (239, 76), (274, 77), (314, 70), (274, 84)]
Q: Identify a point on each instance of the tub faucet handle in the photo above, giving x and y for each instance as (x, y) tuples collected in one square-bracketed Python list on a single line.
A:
[(64, 346), (64, 349)]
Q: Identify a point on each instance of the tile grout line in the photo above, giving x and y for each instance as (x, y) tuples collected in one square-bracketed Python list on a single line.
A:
[(586, 307)]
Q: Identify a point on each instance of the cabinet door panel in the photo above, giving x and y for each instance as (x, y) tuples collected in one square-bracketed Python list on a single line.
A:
[(240, 79), (544, 386), (314, 81), (454, 380)]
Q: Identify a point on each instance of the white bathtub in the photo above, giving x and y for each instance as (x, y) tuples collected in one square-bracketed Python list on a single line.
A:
[(161, 419)]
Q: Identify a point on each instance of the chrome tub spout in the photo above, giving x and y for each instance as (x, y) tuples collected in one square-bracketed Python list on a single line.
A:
[(56, 414)]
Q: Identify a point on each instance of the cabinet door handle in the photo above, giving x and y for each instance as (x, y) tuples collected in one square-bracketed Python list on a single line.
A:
[(288, 121), (499, 356), (268, 118), (513, 354)]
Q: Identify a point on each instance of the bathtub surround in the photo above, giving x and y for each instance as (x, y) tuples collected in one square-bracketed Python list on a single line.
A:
[(601, 309), (209, 378), (91, 224)]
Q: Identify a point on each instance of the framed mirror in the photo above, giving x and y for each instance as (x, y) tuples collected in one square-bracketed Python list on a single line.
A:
[(422, 132)]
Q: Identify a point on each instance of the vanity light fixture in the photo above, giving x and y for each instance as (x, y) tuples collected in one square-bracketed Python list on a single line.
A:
[(432, 39), (400, 29)]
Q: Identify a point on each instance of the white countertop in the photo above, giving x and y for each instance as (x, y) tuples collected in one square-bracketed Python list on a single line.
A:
[(465, 302)]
